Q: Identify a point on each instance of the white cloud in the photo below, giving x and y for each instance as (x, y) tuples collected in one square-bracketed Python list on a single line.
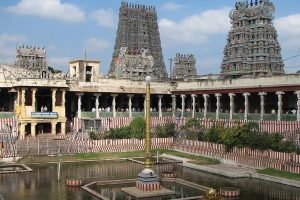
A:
[(6, 38), (8, 46), (95, 44), (54, 9), (58, 61), (172, 6), (288, 29), (196, 28), (104, 18)]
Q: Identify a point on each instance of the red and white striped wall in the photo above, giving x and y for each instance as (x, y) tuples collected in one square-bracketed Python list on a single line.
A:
[(12, 123), (278, 160), (1, 147), (147, 186), (6, 122), (286, 127)]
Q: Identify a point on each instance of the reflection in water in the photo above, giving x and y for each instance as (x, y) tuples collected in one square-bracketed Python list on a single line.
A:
[(43, 183)]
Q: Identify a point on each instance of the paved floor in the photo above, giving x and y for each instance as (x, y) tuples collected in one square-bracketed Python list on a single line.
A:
[(229, 171)]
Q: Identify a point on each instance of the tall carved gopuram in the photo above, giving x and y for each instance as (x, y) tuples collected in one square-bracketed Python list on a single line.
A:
[(137, 52), (252, 47), (185, 67)]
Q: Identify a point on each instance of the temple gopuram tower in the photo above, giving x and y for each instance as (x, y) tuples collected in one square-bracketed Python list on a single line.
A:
[(185, 67), (137, 52), (252, 45), (31, 57)]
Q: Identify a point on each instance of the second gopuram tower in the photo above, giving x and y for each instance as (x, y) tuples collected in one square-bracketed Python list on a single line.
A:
[(252, 45), (137, 52)]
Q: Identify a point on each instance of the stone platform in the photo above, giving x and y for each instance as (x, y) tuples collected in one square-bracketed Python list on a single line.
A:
[(14, 168), (133, 191)]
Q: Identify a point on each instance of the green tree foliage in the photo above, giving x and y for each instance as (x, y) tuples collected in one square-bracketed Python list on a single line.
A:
[(193, 129), (137, 128), (248, 135), (119, 133), (167, 130), (213, 134), (54, 71), (98, 135)]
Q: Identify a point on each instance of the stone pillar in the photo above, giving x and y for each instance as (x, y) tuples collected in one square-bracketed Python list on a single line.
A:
[(53, 128), (97, 104), (159, 105), (114, 104), (22, 106), (79, 95), (218, 96), (22, 130), (16, 102), (144, 105), (298, 105), (231, 104), (19, 93), (173, 105), (53, 100), (130, 104), (182, 104), (246, 112), (63, 103), (33, 129), (63, 128), (279, 94), (33, 90), (205, 96), (63, 96), (23, 97), (262, 104), (193, 104)]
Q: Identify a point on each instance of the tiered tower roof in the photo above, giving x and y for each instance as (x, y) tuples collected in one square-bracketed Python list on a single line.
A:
[(252, 45), (137, 52)]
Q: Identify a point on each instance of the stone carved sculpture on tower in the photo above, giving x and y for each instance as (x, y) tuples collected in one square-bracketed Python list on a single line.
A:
[(31, 63), (252, 47), (31, 57), (133, 66), (185, 67), (137, 52)]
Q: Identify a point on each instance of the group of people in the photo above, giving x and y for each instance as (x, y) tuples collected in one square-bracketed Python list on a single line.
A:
[(44, 109), (101, 109)]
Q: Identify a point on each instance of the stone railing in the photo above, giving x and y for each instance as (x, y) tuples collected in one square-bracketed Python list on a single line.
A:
[(70, 145), (277, 160)]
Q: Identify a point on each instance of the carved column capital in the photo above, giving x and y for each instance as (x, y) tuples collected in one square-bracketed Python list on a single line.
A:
[(246, 94), (218, 95), (231, 95), (205, 96), (262, 93)]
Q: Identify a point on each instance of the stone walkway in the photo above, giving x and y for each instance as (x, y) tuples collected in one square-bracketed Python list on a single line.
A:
[(234, 171), (230, 171)]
